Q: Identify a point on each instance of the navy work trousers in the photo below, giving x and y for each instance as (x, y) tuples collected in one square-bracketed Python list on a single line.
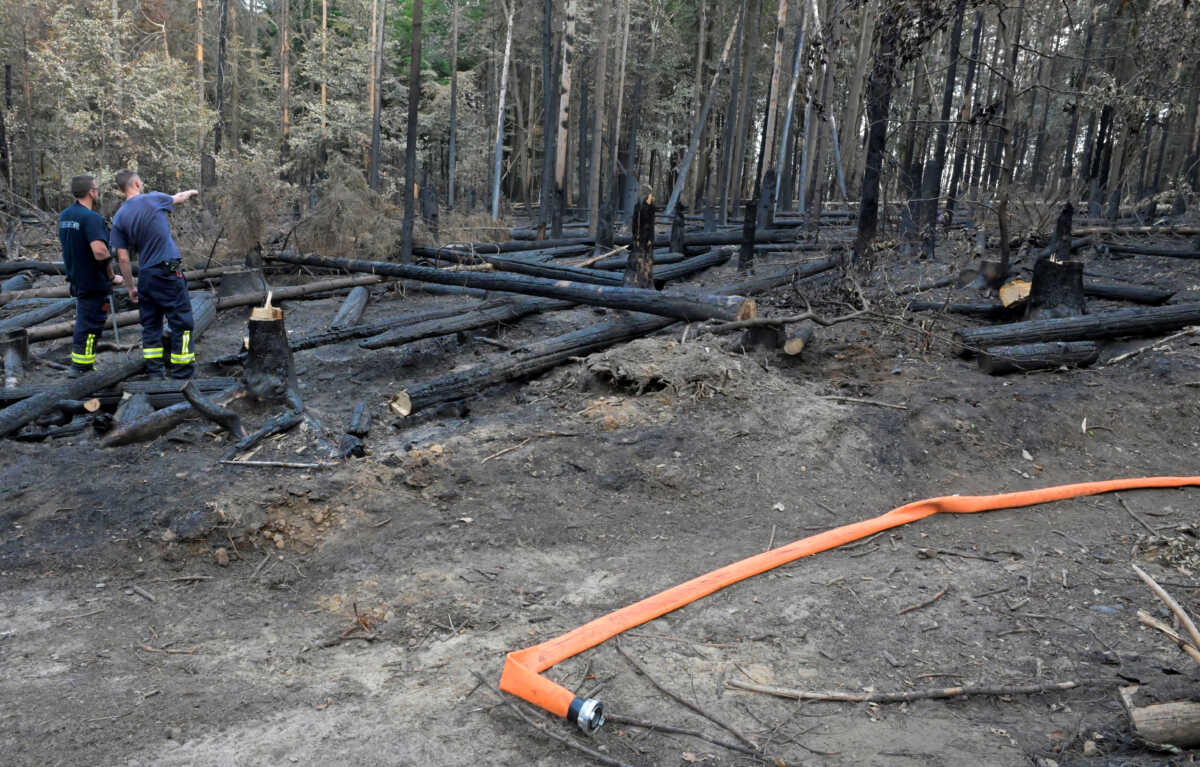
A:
[(91, 311), (162, 293)]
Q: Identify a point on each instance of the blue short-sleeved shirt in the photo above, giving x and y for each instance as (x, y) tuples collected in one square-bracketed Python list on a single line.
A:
[(78, 228), (141, 224)]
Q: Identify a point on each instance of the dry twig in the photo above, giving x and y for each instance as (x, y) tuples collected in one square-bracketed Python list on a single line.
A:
[(1184, 619), (685, 703), (907, 695), (1149, 620)]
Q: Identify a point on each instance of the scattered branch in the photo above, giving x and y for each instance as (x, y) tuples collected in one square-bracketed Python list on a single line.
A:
[(898, 697)]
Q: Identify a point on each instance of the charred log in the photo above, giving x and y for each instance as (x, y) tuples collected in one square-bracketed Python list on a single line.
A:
[(277, 425), (631, 299), (133, 408), (160, 422), (351, 310), (218, 414), (1024, 358), (480, 317), (1122, 322)]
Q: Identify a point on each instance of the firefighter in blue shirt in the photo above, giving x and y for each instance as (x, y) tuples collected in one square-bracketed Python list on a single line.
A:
[(84, 239), (141, 225)]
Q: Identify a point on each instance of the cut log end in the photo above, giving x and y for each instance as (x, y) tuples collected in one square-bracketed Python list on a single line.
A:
[(91, 405), (1014, 292), (798, 340), (401, 404), (747, 311), (1176, 723)]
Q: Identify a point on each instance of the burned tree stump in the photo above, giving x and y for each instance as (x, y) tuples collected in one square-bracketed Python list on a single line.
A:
[(1024, 358), (640, 272), (269, 373), (1057, 290)]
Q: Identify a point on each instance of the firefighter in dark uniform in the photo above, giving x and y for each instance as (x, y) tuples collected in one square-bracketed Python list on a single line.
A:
[(84, 238), (141, 225)]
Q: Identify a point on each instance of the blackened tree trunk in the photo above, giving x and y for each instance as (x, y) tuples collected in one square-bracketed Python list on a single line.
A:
[(964, 129), (451, 160), (498, 157), (564, 113), (597, 157), (548, 114), (222, 34), (376, 98), (879, 101), (640, 271), (410, 138), (724, 171), (1079, 81), (933, 171)]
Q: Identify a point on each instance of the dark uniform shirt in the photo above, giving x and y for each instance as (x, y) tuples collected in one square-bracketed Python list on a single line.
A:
[(141, 224), (78, 228)]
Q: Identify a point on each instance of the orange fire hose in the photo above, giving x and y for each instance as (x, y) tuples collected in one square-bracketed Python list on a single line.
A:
[(522, 668)]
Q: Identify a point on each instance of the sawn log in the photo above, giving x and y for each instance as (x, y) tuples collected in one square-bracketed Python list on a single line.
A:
[(1122, 322)]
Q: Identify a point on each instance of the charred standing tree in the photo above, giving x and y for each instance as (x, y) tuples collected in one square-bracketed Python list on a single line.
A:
[(933, 171), (410, 149), (879, 100), (640, 271), (746, 252), (564, 113), (964, 127)]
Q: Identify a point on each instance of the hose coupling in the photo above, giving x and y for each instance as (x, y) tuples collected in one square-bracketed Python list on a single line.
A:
[(587, 713)]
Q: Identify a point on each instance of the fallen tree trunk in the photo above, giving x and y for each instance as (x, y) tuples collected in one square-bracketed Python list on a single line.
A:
[(131, 409), (620, 262), (351, 310), (17, 415), (631, 299), (1024, 358), (544, 355), (549, 272), (161, 392), (41, 267), (162, 421), (18, 283), (62, 291), (277, 425), (130, 318), (480, 317), (366, 331), (536, 358), (1122, 322), (1139, 250), (984, 309), (39, 315), (1122, 230), (1132, 293), (1176, 723), (218, 414)]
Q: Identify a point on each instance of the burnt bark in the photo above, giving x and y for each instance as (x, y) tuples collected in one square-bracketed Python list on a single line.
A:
[(1121, 322), (1024, 358), (640, 272)]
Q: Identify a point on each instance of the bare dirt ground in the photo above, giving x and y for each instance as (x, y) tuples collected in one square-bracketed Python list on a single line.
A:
[(471, 531)]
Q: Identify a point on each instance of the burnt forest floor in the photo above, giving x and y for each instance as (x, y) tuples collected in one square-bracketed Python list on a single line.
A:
[(474, 530)]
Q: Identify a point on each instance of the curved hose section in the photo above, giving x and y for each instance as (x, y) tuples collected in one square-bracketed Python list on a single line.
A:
[(522, 668)]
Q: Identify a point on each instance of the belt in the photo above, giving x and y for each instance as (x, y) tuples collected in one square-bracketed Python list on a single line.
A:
[(169, 266)]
